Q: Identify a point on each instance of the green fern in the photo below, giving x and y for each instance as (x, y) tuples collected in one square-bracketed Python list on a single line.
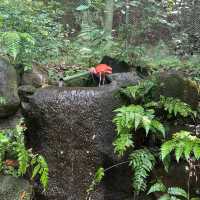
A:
[(15, 43), (12, 143), (176, 107), (128, 119), (100, 173), (183, 144), (142, 162), (138, 91), (11, 41), (171, 193), (23, 158), (41, 168)]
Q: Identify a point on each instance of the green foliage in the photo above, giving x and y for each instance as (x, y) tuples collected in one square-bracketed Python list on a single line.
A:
[(171, 193), (142, 162), (30, 30), (129, 119), (138, 91), (175, 106), (2, 100), (100, 173), (184, 144), (41, 168), (12, 147)]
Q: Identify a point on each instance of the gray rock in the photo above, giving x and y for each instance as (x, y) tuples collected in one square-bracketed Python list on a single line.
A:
[(173, 84), (12, 188), (10, 122), (25, 91), (8, 89), (36, 77), (73, 129)]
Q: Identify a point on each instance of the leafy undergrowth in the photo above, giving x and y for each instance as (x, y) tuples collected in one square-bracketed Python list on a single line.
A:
[(144, 115), (16, 160)]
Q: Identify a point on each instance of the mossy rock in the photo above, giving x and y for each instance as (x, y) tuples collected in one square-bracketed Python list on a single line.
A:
[(175, 85)]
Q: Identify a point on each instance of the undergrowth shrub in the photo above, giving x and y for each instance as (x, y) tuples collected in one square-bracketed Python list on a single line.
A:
[(17, 160), (146, 116)]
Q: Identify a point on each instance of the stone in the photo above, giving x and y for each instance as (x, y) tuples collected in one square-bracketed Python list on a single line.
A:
[(12, 188), (25, 91), (37, 77), (73, 129), (173, 84), (10, 122), (10, 101)]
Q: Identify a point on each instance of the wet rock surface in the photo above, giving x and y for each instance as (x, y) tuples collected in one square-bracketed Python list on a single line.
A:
[(73, 129), (15, 188), (10, 102)]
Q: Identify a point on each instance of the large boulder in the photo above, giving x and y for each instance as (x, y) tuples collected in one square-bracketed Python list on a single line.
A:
[(73, 129), (12, 188), (9, 99)]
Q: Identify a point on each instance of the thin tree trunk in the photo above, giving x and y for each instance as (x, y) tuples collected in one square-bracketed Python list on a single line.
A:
[(109, 12)]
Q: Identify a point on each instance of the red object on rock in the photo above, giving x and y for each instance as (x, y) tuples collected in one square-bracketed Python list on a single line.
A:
[(101, 70)]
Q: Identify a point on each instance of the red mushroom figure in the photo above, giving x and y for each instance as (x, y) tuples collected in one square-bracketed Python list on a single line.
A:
[(101, 70)]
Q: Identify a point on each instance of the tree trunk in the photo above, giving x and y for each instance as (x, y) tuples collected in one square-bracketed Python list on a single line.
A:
[(109, 12)]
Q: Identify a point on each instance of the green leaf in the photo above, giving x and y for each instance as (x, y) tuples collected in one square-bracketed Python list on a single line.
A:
[(177, 191), (157, 187), (178, 152), (196, 150), (146, 124), (122, 142), (35, 171), (167, 148), (158, 126), (99, 175)]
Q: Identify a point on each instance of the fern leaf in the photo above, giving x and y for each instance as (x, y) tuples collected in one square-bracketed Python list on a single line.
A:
[(122, 143), (146, 123), (99, 175), (142, 162), (158, 126), (178, 152), (23, 159), (196, 150), (35, 171), (157, 187), (188, 149), (176, 191), (167, 148), (11, 40)]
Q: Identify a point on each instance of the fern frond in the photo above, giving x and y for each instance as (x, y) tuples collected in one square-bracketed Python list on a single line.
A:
[(167, 148), (138, 91), (183, 143), (122, 143), (142, 162), (157, 187), (23, 159), (11, 40), (176, 107), (176, 191), (196, 150)]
